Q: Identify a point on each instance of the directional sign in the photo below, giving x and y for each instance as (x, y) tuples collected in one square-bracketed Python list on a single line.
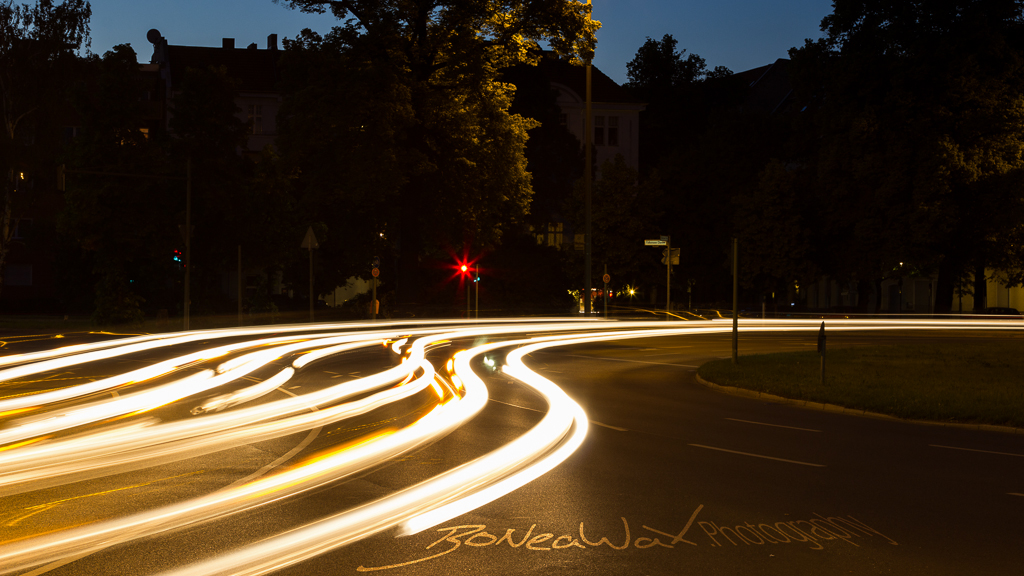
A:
[(309, 240), (675, 256), (375, 272), (655, 243), (606, 278)]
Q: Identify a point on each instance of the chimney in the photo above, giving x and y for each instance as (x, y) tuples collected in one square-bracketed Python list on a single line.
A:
[(272, 42), (228, 43)]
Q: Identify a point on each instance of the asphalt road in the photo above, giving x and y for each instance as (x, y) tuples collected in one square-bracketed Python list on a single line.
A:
[(673, 478)]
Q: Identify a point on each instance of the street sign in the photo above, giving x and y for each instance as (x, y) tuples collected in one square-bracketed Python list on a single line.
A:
[(375, 272), (376, 262), (655, 242), (675, 256), (309, 241), (607, 278), (664, 238)]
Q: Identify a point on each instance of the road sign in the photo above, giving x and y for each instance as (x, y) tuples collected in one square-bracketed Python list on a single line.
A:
[(607, 278), (664, 238), (675, 256), (655, 242), (309, 240), (375, 272), (376, 262)]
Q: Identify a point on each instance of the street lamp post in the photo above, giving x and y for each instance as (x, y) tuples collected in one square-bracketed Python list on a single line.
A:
[(588, 128)]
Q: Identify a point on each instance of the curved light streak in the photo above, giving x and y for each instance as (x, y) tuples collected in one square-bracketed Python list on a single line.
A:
[(223, 423)]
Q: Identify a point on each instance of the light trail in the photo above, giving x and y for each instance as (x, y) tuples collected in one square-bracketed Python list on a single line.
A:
[(37, 452)]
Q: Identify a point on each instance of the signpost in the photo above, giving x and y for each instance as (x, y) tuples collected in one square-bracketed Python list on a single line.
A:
[(821, 351), (374, 272), (309, 242), (735, 299), (606, 278), (669, 258)]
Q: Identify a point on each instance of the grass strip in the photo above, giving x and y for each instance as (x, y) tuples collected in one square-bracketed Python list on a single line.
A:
[(977, 383)]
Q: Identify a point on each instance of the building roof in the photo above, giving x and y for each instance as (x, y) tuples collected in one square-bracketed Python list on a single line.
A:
[(255, 69), (603, 88), (771, 89)]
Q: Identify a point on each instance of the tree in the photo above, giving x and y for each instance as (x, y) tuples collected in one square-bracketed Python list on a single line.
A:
[(680, 92), (624, 213), (115, 233), (918, 139), (453, 151), (37, 58)]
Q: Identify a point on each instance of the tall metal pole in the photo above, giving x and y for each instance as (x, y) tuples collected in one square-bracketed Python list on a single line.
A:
[(668, 280), (476, 289), (373, 303), (605, 291), (588, 129), (311, 282), (239, 284), (735, 299), (188, 235)]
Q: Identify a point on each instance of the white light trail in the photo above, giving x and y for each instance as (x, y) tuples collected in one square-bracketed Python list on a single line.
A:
[(28, 461)]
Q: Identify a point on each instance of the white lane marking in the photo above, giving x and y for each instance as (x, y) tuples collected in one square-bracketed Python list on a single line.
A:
[(517, 406), (633, 361), (773, 425), (975, 450), (285, 457), (758, 455), (609, 426)]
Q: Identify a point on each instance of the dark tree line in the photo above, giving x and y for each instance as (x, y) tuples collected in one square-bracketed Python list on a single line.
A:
[(902, 155)]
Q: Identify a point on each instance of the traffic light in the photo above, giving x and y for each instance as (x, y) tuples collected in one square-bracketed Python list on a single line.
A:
[(179, 258)]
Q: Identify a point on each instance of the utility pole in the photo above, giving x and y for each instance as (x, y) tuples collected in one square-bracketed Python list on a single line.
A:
[(588, 128), (476, 289), (188, 236), (735, 300), (668, 278)]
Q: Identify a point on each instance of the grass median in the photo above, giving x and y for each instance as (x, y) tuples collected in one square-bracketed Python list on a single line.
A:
[(976, 383)]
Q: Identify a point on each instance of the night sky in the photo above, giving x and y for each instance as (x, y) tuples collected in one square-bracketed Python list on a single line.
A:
[(738, 34)]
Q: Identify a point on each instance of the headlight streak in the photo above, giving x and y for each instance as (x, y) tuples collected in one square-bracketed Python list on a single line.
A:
[(134, 445)]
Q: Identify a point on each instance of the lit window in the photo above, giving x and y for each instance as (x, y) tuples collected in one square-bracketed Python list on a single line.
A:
[(255, 119), (599, 130), (613, 130), (555, 234)]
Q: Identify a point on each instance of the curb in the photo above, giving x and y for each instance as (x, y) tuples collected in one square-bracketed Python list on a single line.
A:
[(834, 408)]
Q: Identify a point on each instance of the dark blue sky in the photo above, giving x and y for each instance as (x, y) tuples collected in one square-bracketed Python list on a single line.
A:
[(738, 34)]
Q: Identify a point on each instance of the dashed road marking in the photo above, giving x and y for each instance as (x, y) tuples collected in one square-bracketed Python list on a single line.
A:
[(632, 361), (758, 455), (975, 450), (773, 425)]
